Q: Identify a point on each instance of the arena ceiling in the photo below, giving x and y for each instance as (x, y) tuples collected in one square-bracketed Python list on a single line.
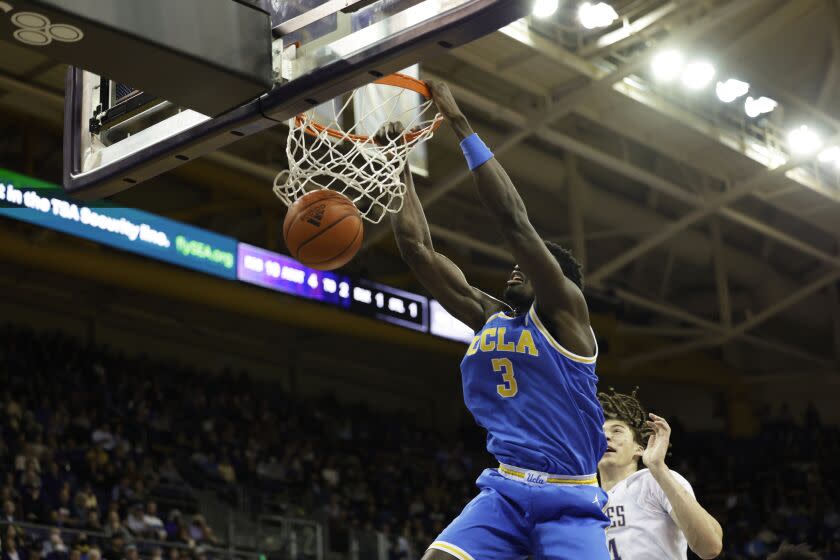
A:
[(696, 222)]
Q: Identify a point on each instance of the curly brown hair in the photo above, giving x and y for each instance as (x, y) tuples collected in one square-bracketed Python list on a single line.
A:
[(627, 409), (572, 269)]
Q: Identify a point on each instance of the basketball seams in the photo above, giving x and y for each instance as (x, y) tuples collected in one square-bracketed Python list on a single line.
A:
[(333, 195), (359, 231), (303, 243)]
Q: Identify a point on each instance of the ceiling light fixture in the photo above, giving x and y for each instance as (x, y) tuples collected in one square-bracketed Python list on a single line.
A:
[(592, 16), (754, 107), (698, 74), (667, 65), (545, 8), (731, 89), (803, 141)]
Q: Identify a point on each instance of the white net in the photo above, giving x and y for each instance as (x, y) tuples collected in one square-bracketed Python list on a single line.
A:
[(324, 155)]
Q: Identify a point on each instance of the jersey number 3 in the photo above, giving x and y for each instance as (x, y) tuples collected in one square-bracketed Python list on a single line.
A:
[(504, 366)]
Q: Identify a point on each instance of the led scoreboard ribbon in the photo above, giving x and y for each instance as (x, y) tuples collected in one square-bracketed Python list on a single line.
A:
[(43, 204), (391, 305), (284, 274)]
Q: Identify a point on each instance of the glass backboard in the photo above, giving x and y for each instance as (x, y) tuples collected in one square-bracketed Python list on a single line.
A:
[(118, 135)]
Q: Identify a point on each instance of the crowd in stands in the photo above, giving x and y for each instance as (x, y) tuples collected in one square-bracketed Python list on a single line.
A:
[(110, 445), (89, 437), (782, 485)]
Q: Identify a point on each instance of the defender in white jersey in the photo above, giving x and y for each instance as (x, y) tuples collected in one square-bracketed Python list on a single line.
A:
[(653, 512)]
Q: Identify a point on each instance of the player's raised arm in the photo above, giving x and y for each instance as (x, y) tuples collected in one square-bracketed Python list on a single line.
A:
[(553, 291), (701, 530), (439, 275)]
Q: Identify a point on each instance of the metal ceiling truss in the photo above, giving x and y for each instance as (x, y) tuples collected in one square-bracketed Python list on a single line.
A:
[(660, 184), (704, 209), (628, 169), (761, 144), (670, 311), (731, 333), (534, 123)]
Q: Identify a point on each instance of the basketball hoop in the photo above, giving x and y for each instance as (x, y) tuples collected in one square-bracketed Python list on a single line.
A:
[(349, 160)]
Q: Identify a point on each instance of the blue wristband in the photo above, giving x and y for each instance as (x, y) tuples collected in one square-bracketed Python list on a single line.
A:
[(475, 150)]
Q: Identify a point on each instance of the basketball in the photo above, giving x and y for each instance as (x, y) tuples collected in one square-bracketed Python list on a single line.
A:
[(323, 230)]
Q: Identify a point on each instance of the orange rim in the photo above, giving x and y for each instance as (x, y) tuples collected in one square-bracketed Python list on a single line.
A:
[(397, 80)]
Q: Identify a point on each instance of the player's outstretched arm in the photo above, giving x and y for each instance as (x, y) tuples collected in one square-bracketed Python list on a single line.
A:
[(439, 275), (702, 531), (554, 292)]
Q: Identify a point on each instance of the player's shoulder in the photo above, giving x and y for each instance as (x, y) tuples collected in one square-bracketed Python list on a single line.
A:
[(649, 495), (680, 477), (562, 325), (683, 481), (646, 478), (642, 479)]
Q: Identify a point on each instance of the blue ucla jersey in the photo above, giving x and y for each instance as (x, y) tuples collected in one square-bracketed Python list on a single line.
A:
[(537, 400)]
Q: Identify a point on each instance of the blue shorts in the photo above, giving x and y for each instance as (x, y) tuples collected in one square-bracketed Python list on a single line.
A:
[(513, 519)]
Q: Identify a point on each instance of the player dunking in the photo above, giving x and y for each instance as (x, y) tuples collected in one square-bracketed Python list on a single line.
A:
[(653, 512), (528, 379)]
